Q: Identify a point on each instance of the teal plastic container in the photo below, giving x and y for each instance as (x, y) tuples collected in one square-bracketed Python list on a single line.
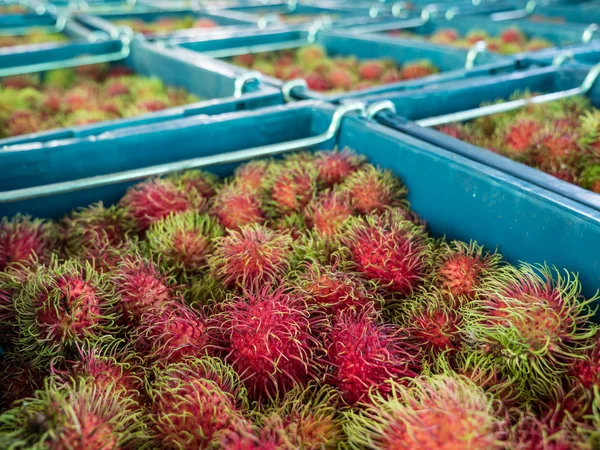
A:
[(218, 88), (19, 25), (458, 197), (455, 97), (450, 61)]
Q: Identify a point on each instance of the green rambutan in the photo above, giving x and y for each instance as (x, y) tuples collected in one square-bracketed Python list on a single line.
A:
[(205, 183), (294, 224), (251, 256), (152, 200), (372, 190), (62, 306), (265, 335), (434, 412), (330, 288), (26, 240), (292, 186), (182, 242), (192, 401), (306, 418), (171, 333), (365, 354), (390, 250), (328, 212), (590, 178), (99, 235), (534, 323), (77, 416), (461, 270), (307, 56), (203, 291), (236, 205), (141, 286)]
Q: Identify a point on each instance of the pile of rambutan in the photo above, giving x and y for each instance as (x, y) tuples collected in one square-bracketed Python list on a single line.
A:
[(298, 304), (509, 42), (333, 73), (165, 24), (561, 138), (80, 96), (33, 36)]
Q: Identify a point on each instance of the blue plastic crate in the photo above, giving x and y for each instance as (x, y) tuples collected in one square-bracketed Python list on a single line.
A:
[(99, 6), (450, 61), (584, 54), (424, 104), (458, 197), (565, 35), (214, 84), (585, 12), (105, 22)]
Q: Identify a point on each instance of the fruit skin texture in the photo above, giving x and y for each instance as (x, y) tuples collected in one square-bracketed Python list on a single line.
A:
[(372, 190), (251, 256), (206, 184), (333, 167), (61, 306), (141, 286), (389, 250), (171, 333), (236, 205), (182, 242), (150, 201), (433, 412), (292, 187), (365, 355), (193, 401), (77, 416), (266, 336), (328, 212), (18, 379), (26, 240)]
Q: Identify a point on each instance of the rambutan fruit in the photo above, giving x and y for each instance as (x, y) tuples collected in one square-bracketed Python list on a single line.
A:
[(205, 183), (244, 60), (418, 69), (317, 82), (332, 289), (253, 175), (171, 333), (308, 55), (461, 270), (518, 137), (536, 44), (373, 191), (11, 282), (328, 212), (265, 335), (96, 72), (292, 186), (61, 306), (118, 71), (434, 412), (586, 370), (590, 178), (23, 122), (444, 36), (26, 240), (251, 256), (235, 206), (152, 200), (192, 401), (59, 78), (534, 322), (513, 36), (202, 291), (242, 435), (475, 36), (294, 225), (364, 355), (99, 235), (115, 88), (182, 242), (558, 147), (371, 70), (306, 418), (553, 431), (18, 380), (141, 286), (389, 250), (75, 416), (341, 79), (18, 82), (334, 167), (392, 75)]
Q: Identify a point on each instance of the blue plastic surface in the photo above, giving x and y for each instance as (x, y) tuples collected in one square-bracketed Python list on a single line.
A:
[(565, 35), (456, 196), (449, 60), (453, 97), (214, 85), (588, 12), (104, 22), (23, 23), (585, 54)]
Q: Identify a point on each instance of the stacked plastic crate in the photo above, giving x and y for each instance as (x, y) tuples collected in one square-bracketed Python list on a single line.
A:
[(392, 240)]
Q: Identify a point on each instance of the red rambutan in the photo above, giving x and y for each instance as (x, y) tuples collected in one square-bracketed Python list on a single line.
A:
[(371, 70), (328, 212), (419, 69), (23, 122), (364, 355), (266, 337), (317, 82), (150, 201), (18, 380), (244, 60), (334, 167), (292, 186), (518, 137), (513, 36), (26, 241), (252, 175), (340, 79), (205, 183), (251, 256), (235, 206)]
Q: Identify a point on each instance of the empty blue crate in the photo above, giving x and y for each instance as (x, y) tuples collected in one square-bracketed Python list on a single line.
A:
[(457, 197), (217, 90), (450, 62), (422, 112), (178, 23)]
